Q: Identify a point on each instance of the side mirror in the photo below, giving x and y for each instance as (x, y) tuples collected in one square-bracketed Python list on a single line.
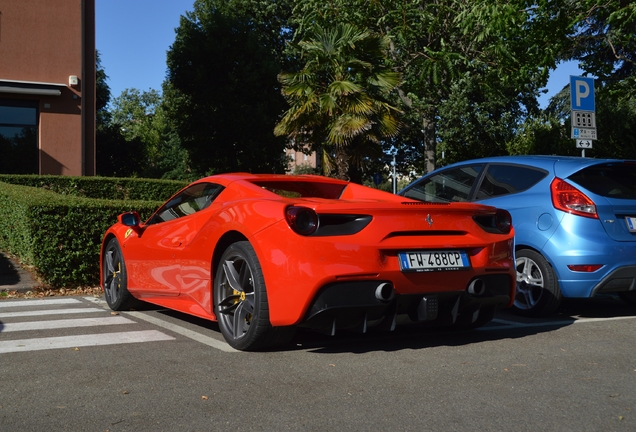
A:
[(131, 219)]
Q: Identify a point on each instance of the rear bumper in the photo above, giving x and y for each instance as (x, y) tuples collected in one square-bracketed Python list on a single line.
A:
[(619, 280), (591, 246), (360, 305)]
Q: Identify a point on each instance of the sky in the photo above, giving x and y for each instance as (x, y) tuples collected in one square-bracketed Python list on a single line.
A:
[(133, 36)]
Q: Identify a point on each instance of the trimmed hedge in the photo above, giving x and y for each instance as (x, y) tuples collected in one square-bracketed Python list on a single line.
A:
[(60, 233), (113, 188)]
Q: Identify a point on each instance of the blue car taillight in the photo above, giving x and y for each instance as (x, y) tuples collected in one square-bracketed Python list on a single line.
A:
[(569, 199)]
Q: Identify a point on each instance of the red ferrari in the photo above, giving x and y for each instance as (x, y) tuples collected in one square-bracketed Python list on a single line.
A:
[(264, 254)]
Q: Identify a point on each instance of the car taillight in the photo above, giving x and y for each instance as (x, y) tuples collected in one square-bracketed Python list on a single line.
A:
[(567, 198), (498, 223), (503, 221), (302, 220)]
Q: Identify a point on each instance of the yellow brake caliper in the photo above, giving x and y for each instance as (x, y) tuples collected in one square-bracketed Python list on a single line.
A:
[(116, 275), (241, 297)]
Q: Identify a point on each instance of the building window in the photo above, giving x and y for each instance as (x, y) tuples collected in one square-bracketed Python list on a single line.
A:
[(18, 137)]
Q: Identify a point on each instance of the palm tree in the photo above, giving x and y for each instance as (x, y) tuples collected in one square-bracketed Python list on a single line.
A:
[(338, 100)]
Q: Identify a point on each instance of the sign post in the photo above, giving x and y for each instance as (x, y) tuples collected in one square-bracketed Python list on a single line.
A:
[(583, 110)]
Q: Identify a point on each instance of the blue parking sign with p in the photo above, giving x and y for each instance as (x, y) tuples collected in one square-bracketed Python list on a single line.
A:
[(582, 93)]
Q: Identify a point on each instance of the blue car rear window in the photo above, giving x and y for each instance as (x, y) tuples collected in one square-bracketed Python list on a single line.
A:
[(611, 180)]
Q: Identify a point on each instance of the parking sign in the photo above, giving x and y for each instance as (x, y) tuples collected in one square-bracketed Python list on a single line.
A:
[(582, 93)]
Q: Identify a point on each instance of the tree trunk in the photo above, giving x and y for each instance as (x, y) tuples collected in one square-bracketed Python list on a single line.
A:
[(342, 163), (430, 143)]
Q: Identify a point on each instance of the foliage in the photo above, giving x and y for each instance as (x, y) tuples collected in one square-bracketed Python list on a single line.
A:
[(508, 45), (603, 39), (305, 169), (221, 94), (59, 235), (476, 121), (115, 156), (99, 187), (471, 73), (102, 93), (338, 100), (140, 117)]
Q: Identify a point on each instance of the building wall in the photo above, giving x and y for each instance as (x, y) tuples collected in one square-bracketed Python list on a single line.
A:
[(297, 159), (48, 41)]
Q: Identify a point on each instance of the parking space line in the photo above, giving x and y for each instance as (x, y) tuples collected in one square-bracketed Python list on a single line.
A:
[(585, 320), (512, 324), (37, 344), (34, 302), (206, 340), (48, 312), (67, 323), (222, 346)]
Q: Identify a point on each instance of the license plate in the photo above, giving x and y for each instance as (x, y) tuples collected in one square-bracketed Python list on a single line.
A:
[(430, 261), (631, 223)]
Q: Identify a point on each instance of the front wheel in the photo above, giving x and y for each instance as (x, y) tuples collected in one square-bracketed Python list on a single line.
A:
[(115, 280), (240, 301), (538, 291)]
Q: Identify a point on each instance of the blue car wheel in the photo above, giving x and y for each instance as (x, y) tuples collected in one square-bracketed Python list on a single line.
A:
[(538, 290)]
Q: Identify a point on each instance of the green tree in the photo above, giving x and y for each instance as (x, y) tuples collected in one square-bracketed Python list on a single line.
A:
[(221, 93), (603, 40), (475, 121), (338, 100), (102, 93), (114, 155), (140, 117), (506, 48)]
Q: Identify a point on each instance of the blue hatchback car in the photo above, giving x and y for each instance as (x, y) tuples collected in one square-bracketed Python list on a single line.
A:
[(574, 219)]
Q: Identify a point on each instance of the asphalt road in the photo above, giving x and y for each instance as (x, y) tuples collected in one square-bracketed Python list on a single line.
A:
[(72, 365)]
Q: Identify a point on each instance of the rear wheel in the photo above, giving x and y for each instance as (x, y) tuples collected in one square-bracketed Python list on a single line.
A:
[(240, 300), (115, 280), (538, 290)]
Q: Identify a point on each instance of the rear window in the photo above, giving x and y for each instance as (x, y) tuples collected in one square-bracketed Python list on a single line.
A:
[(611, 180), (303, 189)]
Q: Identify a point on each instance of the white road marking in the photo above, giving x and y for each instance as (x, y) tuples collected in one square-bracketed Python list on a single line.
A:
[(49, 312), (37, 344), (206, 340), (65, 323), (223, 346), (585, 320), (512, 324), (34, 302)]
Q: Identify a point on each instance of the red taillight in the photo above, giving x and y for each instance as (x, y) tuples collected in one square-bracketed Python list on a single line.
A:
[(585, 268), (302, 220), (503, 221), (569, 199), (499, 222)]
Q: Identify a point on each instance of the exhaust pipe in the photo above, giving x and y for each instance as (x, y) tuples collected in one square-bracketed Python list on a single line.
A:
[(477, 287), (385, 292)]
